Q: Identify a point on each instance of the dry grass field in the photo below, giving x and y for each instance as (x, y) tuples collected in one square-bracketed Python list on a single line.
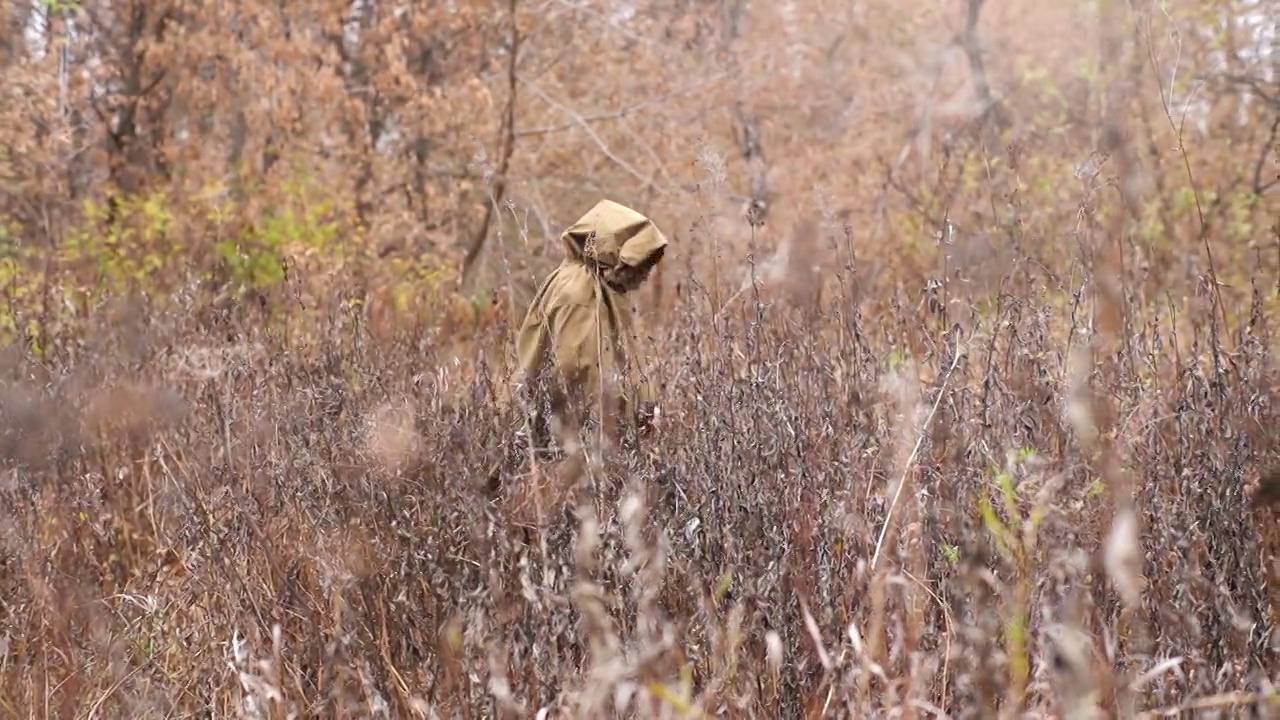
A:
[(966, 343)]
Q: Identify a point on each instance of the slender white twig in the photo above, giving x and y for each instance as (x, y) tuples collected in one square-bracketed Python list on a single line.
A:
[(595, 137), (902, 481)]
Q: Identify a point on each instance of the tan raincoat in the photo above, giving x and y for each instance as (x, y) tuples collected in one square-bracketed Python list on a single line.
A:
[(578, 330)]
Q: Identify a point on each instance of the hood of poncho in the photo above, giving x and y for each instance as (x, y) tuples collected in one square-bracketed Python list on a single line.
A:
[(611, 234)]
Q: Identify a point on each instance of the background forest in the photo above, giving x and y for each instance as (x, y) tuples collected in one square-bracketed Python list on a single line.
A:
[(966, 337)]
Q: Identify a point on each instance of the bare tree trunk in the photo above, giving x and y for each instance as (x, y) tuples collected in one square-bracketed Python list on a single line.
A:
[(132, 114), (507, 146), (973, 51), (14, 16)]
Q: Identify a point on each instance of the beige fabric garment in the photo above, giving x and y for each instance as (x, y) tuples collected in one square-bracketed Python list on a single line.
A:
[(578, 329)]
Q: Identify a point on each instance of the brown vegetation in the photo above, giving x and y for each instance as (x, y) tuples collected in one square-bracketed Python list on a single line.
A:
[(965, 338)]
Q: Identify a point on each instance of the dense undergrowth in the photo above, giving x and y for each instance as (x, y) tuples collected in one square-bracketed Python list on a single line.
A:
[(848, 510)]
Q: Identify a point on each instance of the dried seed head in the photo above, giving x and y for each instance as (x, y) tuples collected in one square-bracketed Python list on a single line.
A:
[(1122, 559), (773, 642)]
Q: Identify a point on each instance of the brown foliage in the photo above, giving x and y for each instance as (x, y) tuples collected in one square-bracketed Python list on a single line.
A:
[(968, 391)]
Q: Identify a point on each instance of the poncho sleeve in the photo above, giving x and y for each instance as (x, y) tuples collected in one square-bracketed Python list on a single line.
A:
[(583, 357)]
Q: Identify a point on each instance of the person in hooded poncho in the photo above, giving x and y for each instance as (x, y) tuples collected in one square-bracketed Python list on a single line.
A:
[(576, 348)]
